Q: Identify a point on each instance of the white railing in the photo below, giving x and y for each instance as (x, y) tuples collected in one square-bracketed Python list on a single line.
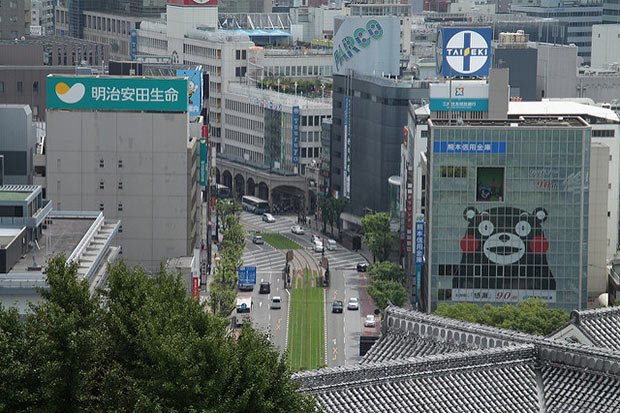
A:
[(83, 244)]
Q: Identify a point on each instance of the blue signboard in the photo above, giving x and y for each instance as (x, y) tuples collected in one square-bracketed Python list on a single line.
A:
[(246, 275), (296, 119), (463, 51), (194, 90), (133, 48), (419, 251), (469, 147)]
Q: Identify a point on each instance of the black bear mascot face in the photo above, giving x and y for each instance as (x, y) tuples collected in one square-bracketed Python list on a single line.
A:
[(505, 236)]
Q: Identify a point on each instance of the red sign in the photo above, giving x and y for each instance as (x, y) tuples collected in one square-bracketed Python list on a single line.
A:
[(193, 2), (205, 132), (195, 285), (409, 211)]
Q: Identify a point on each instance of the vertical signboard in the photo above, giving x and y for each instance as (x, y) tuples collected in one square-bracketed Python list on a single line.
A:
[(419, 252), (203, 162), (194, 90), (296, 120), (133, 45), (346, 152), (195, 273)]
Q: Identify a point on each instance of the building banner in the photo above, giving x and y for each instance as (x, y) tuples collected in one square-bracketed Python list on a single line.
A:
[(118, 93), (203, 162), (296, 121), (194, 90)]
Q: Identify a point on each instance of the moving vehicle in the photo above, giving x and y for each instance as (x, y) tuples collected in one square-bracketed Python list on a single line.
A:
[(243, 310), (255, 205), (353, 304), (331, 245), (315, 238), (318, 246), (276, 302), (246, 287), (257, 239), (337, 306), (222, 191), (268, 218), (369, 321), (362, 267), (264, 288), (296, 229)]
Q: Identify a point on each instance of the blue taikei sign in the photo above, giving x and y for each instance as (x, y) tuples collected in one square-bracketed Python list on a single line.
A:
[(246, 275), (295, 122), (469, 147), (463, 51)]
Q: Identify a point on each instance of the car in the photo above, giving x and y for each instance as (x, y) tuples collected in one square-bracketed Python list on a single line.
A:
[(315, 238), (369, 321), (362, 267), (269, 218), (337, 306), (246, 287), (331, 245), (257, 239), (264, 288), (353, 304), (296, 229), (318, 247), (276, 302)]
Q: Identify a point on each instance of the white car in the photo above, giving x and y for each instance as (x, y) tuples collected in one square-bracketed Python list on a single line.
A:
[(318, 246), (296, 229), (331, 245), (353, 304), (369, 321), (269, 218)]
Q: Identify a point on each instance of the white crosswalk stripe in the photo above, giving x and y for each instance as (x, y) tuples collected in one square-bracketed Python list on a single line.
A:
[(282, 224), (342, 259), (264, 260)]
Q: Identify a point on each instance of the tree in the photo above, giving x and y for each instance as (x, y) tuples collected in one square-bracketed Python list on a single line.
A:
[(339, 205), (531, 316), (387, 271), (384, 292), (378, 235), (327, 212), (143, 345)]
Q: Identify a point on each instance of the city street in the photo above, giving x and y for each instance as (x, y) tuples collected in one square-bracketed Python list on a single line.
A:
[(342, 331)]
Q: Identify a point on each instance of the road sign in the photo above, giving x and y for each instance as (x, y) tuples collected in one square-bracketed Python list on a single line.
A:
[(246, 275)]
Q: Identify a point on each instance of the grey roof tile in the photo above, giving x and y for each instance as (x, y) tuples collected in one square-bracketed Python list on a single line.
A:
[(602, 326)]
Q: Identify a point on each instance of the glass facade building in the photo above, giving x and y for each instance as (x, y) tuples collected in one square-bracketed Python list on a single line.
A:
[(508, 214)]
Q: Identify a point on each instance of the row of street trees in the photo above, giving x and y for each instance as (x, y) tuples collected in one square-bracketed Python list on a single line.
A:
[(140, 345), (387, 280), (223, 288), (331, 208)]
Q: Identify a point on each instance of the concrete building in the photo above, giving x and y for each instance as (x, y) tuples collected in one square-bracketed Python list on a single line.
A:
[(31, 233), (15, 19), (579, 20), (137, 166), (600, 85), (605, 50), (310, 23), (18, 140), (289, 63), (611, 12), (244, 6), (53, 51), (42, 17)]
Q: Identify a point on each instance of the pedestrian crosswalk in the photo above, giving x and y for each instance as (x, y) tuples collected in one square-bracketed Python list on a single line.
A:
[(255, 222), (264, 259), (343, 259)]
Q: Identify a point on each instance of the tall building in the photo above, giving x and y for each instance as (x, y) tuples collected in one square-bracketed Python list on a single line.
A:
[(18, 140), (122, 146), (15, 17), (611, 12)]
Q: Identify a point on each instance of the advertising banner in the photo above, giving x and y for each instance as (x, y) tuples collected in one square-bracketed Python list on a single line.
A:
[(194, 90), (467, 96), (419, 251), (116, 93), (369, 45), (133, 44), (203, 162), (346, 153), (295, 122), (463, 51)]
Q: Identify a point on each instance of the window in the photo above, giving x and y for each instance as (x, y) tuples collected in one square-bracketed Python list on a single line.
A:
[(101, 163), (317, 152), (603, 133), (13, 19), (1, 87), (453, 171), (244, 54), (13, 4), (35, 87), (101, 185), (238, 54), (303, 152), (20, 87), (120, 207), (490, 185), (120, 163), (120, 228), (101, 206), (120, 184)]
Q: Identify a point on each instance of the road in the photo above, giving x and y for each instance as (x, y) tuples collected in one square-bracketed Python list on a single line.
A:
[(342, 330)]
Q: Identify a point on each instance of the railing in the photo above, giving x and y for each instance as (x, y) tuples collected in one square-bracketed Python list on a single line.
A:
[(83, 244), (102, 253)]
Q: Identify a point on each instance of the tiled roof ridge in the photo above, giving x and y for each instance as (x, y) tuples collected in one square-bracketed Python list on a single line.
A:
[(579, 315), (395, 370)]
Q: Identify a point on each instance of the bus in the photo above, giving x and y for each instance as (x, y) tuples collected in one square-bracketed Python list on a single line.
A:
[(222, 191), (255, 205), (243, 310)]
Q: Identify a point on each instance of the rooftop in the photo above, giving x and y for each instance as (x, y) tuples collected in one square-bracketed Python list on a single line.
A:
[(561, 108), (536, 120)]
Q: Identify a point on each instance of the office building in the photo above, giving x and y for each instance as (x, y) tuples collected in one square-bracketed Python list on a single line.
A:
[(244, 6), (611, 12), (18, 140), (605, 50), (497, 232), (122, 145), (15, 19)]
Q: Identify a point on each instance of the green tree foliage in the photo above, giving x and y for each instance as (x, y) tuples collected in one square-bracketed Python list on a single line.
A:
[(383, 290), (378, 235), (327, 212), (387, 271), (339, 205), (143, 345), (531, 316)]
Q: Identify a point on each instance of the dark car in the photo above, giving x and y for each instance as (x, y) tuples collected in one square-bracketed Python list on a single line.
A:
[(362, 267), (337, 306), (265, 287)]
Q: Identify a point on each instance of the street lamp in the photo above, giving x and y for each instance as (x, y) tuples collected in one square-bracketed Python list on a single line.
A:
[(295, 88), (323, 91), (278, 85)]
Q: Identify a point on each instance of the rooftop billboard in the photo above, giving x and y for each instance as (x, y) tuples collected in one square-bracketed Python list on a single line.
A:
[(463, 51)]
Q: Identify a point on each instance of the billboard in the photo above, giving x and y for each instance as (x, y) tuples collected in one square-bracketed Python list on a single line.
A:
[(203, 172), (346, 153), (194, 90), (461, 96), (295, 123), (116, 93), (370, 45), (133, 44), (463, 51)]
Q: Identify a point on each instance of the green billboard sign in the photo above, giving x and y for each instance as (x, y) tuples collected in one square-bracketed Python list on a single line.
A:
[(124, 93), (203, 161)]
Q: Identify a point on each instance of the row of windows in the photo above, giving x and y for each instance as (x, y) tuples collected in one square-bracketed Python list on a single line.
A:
[(207, 52), (20, 87), (245, 108), (310, 152), (243, 153), (602, 133), (107, 24), (149, 42), (298, 71), (311, 136), (241, 54), (244, 138), (243, 122), (102, 185)]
